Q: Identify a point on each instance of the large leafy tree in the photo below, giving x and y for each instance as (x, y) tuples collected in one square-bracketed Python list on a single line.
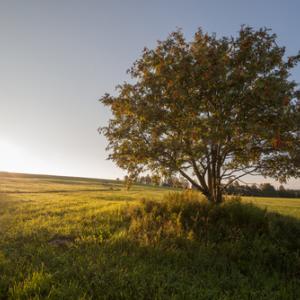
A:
[(213, 110)]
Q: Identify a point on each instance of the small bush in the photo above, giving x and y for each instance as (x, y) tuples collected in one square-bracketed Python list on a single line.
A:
[(191, 216), (183, 219)]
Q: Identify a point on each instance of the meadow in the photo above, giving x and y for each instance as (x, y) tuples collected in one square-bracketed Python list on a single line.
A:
[(79, 238)]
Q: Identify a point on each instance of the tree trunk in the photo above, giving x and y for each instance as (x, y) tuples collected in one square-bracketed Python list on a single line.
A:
[(214, 197), (213, 191), (213, 186)]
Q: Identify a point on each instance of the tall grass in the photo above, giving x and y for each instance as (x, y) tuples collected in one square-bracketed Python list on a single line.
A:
[(66, 246)]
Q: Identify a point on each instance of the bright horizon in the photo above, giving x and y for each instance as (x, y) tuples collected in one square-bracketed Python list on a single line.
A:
[(59, 57)]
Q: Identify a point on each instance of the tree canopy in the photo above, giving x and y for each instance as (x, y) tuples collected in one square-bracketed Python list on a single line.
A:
[(212, 109)]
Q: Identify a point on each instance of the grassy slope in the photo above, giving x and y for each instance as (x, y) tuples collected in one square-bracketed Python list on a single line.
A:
[(57, 238)]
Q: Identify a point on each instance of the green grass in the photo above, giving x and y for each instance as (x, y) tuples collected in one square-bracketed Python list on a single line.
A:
[(76, 238)]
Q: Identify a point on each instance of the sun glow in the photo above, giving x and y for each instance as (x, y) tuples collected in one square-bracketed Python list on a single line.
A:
[(21, 159), (14, 158)]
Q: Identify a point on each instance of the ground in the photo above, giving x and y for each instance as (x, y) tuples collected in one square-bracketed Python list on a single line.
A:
[(61, 238)]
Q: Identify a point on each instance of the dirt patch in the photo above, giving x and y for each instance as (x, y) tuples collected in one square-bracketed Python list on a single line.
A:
[(61, 241)]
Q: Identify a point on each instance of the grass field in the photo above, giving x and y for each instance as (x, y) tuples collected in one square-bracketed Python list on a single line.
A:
[(68, 238)]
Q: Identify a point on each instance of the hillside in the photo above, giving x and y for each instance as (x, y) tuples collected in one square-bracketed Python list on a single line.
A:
[(78, 238)]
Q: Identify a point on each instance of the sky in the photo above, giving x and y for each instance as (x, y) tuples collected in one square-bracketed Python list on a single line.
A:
[(58, 57)]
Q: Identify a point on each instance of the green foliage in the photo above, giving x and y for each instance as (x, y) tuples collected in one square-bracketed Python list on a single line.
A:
[(217, 108), (37, 286), (94, 242), (190, 216)]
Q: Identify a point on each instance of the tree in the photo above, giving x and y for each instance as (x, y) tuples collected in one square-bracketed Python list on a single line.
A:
[(212, 110), (155, 179), (282, 192), (268, 189)]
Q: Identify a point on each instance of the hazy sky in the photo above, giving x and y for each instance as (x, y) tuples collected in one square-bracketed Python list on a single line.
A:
[(58, 58)]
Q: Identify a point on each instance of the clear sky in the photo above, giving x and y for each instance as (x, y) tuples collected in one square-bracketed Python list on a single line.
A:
[(59, 57)]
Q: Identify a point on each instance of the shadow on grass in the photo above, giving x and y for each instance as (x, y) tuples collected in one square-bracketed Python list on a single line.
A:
[(179, 248)]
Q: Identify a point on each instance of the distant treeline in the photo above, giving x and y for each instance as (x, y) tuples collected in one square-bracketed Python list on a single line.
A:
[(262, 190), (170, 181)]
